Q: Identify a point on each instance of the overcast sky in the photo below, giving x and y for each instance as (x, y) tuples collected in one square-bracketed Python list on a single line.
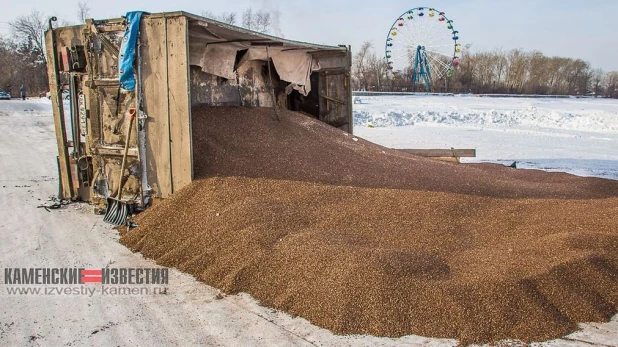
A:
[(576, 29)]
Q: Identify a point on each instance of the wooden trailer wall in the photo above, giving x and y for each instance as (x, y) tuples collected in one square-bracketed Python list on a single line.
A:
[(92, 155), (64, 37), (167, 103)]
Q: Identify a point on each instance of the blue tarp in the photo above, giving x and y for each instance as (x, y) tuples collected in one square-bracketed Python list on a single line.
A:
[(127, 50)]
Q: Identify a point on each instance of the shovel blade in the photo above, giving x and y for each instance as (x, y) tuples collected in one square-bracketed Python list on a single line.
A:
[(117, 212)]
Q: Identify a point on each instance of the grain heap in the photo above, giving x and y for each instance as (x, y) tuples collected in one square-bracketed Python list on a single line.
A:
[(361, 239)]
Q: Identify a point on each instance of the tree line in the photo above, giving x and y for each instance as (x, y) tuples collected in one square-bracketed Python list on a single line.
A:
[(263, 21), (492, 72), (23, 61)]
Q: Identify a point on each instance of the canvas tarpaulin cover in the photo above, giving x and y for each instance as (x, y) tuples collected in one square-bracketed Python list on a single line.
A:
[(215, 48), (294, 67), (219, 60)]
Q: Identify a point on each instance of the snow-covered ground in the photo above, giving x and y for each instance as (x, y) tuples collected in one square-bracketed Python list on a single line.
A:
[(579, 136), (189, 313)]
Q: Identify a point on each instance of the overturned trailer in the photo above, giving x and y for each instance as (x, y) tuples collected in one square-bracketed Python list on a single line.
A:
[(162, 65)]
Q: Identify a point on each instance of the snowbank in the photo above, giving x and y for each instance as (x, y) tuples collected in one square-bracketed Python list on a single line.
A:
[(596, 115)]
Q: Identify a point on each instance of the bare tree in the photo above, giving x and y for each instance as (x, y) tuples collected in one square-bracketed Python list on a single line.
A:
[(247, 18), (260, 20), (611, 84), (578, 77), (228, 17), (30, 28), (517, 70), (225, 17), (360, 69), (379, 70), (263, 21), (537, 78), (83, 11), (598, 77)]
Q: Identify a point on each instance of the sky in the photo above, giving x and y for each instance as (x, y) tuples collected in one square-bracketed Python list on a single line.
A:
[(564, 28)]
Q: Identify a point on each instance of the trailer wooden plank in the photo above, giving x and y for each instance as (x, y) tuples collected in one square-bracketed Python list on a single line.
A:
[(333, 99), (155, 87), (59, 123), (115, 151), (179, 102), (457, 153), (348, 89), (335, 108)]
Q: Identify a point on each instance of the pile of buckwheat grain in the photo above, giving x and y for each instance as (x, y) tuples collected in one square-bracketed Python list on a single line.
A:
[(361, 239)]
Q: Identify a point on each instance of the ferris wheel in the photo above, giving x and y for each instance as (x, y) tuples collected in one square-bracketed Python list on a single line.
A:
[(423, 44)]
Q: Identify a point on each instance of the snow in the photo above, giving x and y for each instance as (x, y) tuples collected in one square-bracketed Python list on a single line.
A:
[(597, 115), (191, 313), (578, 136)]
